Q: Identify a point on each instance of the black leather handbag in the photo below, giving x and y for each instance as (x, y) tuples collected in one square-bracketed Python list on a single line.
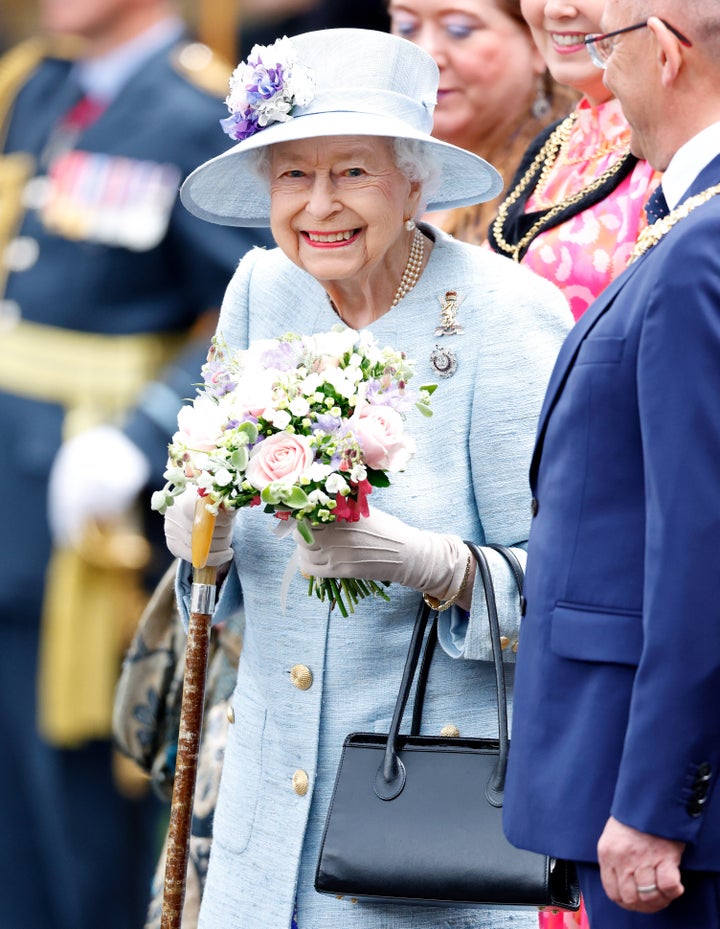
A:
[(418, 819)]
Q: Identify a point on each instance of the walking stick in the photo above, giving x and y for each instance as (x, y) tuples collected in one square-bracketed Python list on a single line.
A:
[(202, 604)]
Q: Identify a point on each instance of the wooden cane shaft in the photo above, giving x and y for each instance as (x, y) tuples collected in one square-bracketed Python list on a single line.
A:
[(191, 716), (191, 713)]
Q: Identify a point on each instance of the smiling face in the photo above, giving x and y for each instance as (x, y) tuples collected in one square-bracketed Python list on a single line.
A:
[(559, 28), (488, 65), (338, 207)]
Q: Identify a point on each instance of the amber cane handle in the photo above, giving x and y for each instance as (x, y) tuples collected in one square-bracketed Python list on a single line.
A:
[(191, 715)]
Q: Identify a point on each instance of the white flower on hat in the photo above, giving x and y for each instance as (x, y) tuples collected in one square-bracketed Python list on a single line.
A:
[(266, 88)]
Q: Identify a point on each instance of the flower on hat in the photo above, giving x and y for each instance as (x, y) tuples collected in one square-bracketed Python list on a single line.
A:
[(266, 88)]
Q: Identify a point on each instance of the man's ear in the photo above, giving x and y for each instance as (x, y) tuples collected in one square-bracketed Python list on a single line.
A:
[(669, 50)]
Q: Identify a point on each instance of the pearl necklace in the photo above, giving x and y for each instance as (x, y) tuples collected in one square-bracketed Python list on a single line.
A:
[(411, 274)]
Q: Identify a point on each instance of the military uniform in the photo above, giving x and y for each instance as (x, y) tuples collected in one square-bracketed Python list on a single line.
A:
[(102, 276)]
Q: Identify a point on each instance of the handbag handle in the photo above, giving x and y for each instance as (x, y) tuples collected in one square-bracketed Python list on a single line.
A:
[(509, 555), (391, 775)]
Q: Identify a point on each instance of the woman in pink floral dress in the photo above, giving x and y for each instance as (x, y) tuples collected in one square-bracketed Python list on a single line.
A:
[(575, 206)]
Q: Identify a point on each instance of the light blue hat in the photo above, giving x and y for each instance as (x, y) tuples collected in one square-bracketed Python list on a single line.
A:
[(333, 82)]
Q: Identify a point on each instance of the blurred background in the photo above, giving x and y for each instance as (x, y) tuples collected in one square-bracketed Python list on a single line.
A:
[(231, 28)]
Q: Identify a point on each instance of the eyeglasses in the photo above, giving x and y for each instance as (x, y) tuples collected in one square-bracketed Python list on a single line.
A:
[(601, 46)]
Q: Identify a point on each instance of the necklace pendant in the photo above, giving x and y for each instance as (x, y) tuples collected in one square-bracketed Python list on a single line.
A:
[(450, 304), (444, 361)]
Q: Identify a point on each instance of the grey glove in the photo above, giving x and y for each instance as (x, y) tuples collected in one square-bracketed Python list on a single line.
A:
[(179, 520), (381, 547)]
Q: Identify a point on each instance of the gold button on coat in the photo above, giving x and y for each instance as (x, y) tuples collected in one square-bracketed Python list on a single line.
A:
[(230, 714), (301, 676), (300, 782)]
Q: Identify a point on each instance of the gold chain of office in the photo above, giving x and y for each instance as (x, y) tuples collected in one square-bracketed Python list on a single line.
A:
[(652, 234), (544, 162)]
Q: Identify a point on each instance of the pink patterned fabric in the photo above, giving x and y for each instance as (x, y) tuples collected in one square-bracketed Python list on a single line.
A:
[(583, 255)]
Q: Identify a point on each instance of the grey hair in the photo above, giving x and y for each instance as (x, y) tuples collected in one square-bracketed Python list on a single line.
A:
[(413, 158), (418, 163)]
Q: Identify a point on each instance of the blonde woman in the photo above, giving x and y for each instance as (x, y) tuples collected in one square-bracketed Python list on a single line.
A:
[(495, 92)]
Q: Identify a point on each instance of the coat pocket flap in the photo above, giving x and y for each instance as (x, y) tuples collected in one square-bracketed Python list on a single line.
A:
[(601, 350), (592, 635)]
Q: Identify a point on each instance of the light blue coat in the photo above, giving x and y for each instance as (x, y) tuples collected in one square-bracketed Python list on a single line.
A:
[(469, 477)]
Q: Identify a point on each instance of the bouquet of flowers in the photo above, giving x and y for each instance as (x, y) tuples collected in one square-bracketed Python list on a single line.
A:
[(306, 425)]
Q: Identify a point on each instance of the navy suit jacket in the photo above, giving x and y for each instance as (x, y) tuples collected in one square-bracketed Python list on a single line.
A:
[(617, 693)]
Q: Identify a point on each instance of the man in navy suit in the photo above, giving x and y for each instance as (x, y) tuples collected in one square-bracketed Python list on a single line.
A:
[(616, 732)]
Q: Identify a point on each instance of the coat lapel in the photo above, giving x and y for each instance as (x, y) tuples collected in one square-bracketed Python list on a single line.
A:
[(566, 358)]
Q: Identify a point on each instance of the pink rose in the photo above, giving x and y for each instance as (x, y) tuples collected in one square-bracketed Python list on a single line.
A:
[(281, 457), (379, 431)]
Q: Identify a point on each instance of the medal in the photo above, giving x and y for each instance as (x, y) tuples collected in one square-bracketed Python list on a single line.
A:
[(444, 361), (450, 304)]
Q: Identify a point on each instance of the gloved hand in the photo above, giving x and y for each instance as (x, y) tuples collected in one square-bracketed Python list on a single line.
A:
[(95, 475), (179, 525), (380, 547)]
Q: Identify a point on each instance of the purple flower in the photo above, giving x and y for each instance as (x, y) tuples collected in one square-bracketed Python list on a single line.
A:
[(241, 127), (399, 398), (218, 380), (265, 83), (282, 358), (326, 423)]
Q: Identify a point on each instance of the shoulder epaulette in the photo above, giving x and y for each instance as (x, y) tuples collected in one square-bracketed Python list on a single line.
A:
[(203, 67)]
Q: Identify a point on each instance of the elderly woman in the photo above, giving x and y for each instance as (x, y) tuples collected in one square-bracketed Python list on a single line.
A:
[(340, 177)]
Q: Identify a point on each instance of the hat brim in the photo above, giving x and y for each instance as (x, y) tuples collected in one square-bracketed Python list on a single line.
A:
[(225, 191)]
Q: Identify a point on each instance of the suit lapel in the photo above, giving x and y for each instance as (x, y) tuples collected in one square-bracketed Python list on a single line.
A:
[(566, 358)]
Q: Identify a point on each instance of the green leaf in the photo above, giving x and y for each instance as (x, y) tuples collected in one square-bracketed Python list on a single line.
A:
[(239, 459), (378, 478), (268, 495), (250, 430), (296, 498), (303, 527), (424, 409)]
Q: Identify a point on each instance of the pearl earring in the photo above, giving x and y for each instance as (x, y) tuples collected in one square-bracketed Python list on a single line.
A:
[(410, 224)]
